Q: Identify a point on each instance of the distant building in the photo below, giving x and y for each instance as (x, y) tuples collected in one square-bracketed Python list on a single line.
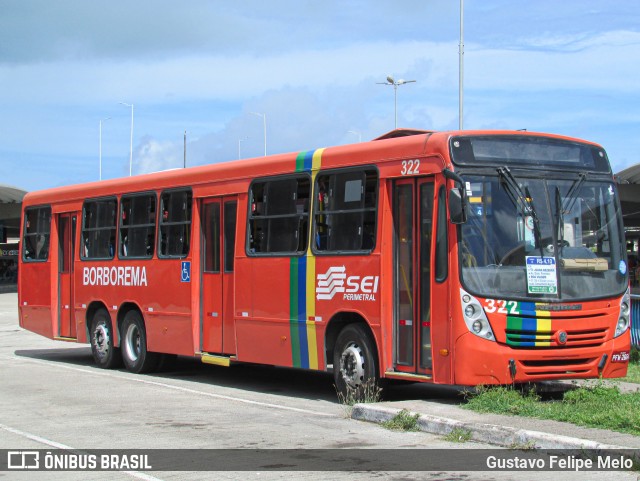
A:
[(10, 210), (629, 189)]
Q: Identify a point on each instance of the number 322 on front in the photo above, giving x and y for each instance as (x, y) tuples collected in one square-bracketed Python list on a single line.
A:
[(500, 306)]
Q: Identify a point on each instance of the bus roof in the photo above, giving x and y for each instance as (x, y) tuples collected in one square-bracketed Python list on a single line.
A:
[(397, 144)]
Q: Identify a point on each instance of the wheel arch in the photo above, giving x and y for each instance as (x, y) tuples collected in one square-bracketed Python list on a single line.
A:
[(336, 324), (92, 308)]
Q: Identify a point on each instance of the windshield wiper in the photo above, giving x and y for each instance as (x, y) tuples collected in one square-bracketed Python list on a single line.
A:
[(560, 220), (567, 206), (523, 199), (572, 196)]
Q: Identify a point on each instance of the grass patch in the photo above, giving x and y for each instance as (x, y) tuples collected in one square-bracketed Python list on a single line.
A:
[(458, 435), (597, 406), (403, 421), (633, 373)]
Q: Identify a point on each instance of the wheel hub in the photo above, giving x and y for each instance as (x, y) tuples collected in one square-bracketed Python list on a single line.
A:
[(101, 340), (352, 365), (132, 342)]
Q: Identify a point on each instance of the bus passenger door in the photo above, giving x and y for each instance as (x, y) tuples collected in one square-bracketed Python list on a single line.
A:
[(66, 249), (218, 243), (413, 201)]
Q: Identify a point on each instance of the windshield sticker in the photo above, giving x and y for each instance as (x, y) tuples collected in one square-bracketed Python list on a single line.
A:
[(622, 267), (541, 275)]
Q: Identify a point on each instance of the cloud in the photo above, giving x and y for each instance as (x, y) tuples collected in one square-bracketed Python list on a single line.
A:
[(153, 156), (311, 67)]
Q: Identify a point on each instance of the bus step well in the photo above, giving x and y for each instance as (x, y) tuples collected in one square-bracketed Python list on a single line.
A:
[(216, 360), (407, 376)]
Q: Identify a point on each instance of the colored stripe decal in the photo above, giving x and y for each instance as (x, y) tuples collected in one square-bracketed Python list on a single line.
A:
[(316, 163), (293, 312), (530, 331), (311, 311), (302, 312), (302, 282)]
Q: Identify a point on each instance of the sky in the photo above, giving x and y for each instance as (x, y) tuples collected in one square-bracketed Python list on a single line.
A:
[(309, 69)]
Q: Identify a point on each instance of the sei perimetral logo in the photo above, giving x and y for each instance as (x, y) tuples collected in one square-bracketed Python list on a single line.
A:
[(352, 288)]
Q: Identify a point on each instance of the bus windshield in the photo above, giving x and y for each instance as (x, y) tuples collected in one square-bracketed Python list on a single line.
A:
[(532, 238)]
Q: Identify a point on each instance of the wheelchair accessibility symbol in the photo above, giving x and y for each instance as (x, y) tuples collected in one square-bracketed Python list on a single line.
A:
[(185, 273)]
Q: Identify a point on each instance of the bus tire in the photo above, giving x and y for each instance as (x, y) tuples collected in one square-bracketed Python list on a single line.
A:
[(134, 345), (354, 364), (105, 354)]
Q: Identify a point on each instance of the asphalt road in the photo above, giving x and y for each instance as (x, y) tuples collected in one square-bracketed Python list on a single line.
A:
[(53, 397)]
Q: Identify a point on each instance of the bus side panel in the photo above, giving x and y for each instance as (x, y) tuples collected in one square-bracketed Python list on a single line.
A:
[(442, 302), (35, 298), (166, 305), (155, 287), (263, 329), (349, 286)]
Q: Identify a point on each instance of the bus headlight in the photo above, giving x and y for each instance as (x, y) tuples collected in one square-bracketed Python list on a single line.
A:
[(624, 320), (474, 317), (469, 311)]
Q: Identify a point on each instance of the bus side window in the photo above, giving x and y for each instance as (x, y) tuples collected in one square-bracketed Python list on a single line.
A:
[(137, 225), (37, 230), (99, 228), (345, 211), (278, 221), (175, 224)]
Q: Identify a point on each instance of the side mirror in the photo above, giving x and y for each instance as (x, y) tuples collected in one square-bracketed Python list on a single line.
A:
[(457, 199), (457, 206)]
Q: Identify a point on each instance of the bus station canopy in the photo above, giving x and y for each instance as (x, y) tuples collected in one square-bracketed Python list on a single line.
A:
[(10, 210), (629, 189), (11, 195)]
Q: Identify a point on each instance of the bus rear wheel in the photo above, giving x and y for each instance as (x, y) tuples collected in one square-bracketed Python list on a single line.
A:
[(105, 354), (354, 365), (134, 345)]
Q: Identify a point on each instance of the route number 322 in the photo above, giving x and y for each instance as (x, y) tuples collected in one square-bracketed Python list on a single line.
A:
[(410, 167), (500, 306)]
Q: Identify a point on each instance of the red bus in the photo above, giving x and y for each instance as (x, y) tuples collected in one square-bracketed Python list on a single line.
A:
[(466, 258)]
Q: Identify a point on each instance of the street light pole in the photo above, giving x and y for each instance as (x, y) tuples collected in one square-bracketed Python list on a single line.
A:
[(356, 133), (100, 124), (394, 83), (240, 140), (131, 141), (461, 66), (264, 125)]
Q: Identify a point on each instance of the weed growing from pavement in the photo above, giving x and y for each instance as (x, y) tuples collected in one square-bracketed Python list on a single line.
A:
[(528, 446), (367, 392), (403, 421), (596, 406), (458, 435)]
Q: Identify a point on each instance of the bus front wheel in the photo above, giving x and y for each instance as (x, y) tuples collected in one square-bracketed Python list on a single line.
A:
[(134, 345), (105, 354), (354, 364)]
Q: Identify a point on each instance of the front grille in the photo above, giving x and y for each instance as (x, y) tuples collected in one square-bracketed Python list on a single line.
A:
[(558, 368), (551, 338), (524, 330)]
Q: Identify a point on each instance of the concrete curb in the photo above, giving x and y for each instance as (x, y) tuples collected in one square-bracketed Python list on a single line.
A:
[(486, 433)]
